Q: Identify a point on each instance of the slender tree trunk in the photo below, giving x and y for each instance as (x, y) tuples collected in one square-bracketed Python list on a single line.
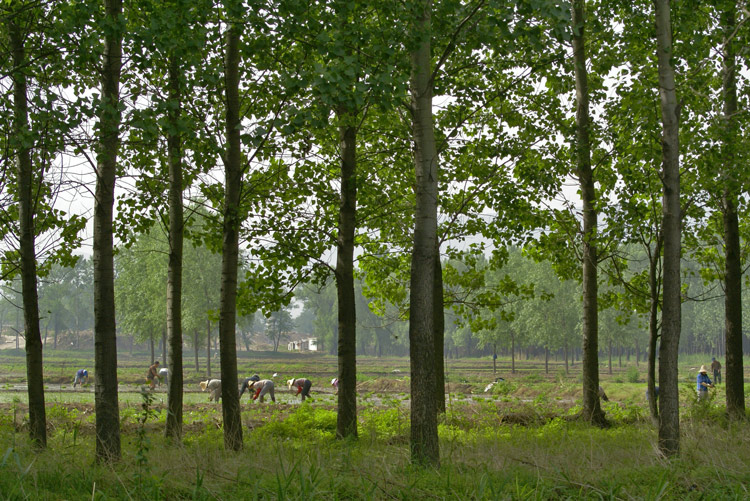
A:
[(567, 369), (653, 329), (512, 353), (669, 415), (230, 248), (173, 428), (494, 359), (610, 357), (592, 411), (734, 370), (105, 334), (208, 347), (195, 349), (439, 327), (25, 175), (424, 439), (151, 344), (546, 360), (346, 423)]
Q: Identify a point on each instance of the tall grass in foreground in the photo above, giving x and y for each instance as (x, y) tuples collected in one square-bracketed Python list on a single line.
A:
[(295, 456)]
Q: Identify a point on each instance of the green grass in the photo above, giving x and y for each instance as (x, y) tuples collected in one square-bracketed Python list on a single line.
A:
[(293, 455), (517, 442)]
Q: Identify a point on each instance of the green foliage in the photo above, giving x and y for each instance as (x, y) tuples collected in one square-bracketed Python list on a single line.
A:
[(504, 388), (305, 422), (633, 375)]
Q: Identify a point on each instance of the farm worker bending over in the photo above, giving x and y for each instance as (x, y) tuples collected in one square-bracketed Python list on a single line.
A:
[(303, 386), (214, 386), (82, 377), (261, 388), (248, 383), (153, 373), (335, 384), (703, 383)]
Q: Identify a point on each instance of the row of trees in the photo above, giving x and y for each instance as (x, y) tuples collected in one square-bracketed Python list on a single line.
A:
[(303, 127)]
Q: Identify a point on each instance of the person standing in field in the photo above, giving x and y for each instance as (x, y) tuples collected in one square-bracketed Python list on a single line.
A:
[(263, 387), (153, 373), (716, 369), (703, 383), (82, 377), (303, 386)]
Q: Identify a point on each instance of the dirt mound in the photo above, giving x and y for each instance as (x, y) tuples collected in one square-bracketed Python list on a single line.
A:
[(459, 388), (384, 385)]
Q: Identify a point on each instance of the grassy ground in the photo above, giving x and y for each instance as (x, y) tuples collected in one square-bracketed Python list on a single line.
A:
[(517, 441)]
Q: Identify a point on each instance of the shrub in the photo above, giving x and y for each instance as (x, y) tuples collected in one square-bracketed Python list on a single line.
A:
[(632, 374)]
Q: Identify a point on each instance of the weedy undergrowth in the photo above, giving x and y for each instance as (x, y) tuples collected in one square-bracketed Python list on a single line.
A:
[(143, 445)]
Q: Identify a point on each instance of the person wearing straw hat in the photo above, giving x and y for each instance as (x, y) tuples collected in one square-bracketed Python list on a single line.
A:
[(247, 384), (263, 387), (703, 383), (303, 386), (214, 386)]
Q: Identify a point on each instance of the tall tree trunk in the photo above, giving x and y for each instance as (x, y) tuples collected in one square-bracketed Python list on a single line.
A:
[(424, 439), (653, 329), (669, 403), (174, 271), (151, 345), (610, 357), (592, 411), (734, 378), (25, 175), (208, 347), (546, 360), (512, 353), (195, 348), (105, 335), (230, 247), (567, 368), (346, 423), (439, 327)]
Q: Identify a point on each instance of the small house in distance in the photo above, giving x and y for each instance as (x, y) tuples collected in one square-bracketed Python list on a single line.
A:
[(309, 344)]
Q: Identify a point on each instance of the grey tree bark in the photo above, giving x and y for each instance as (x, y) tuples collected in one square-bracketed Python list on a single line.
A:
[(439, 327), (105, 340), (669, 412), (27, 245), (734, 366), (230, 247), (173, 428), (653, 327), (424, 439), (346, 422), (592, 410)]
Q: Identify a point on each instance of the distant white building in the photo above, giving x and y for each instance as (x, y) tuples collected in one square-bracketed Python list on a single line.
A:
[(310, 344)]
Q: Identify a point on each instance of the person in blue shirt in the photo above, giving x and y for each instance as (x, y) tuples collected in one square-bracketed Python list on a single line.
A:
[(82, 377), (703, 383)]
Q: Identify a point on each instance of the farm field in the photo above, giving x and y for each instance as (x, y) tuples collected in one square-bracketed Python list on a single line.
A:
[(517, 441)]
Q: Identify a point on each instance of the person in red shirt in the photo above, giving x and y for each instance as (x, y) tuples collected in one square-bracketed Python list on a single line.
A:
[(303, 387)]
